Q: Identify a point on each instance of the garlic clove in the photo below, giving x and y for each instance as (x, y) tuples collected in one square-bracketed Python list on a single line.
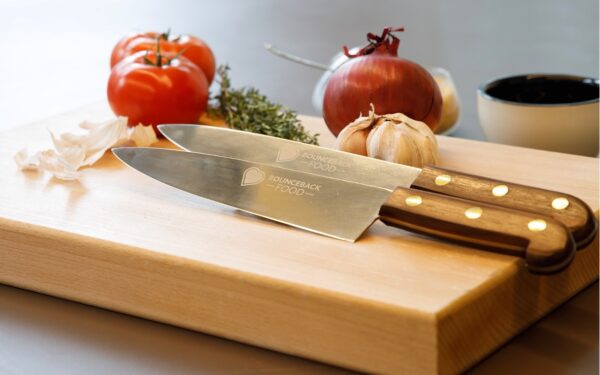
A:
[(427, 144), (353, 137), (381, 141), (412, 153)]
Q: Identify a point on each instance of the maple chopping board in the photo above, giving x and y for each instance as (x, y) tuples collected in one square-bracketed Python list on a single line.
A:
[(393, 302)]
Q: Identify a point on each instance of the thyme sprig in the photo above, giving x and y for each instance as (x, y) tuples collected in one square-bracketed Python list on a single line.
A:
[(249, 110)]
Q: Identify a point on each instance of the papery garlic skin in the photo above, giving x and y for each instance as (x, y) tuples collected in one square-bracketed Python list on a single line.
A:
[(73, 151), (395, 138), (27, 162), (142, 136)]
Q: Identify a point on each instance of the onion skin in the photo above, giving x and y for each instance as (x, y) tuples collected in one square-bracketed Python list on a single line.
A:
[(381, 78)]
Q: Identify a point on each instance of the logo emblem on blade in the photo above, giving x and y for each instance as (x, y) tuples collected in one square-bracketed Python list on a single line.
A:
[(280, 183), (287, 153), (311, 160), (252, 176)]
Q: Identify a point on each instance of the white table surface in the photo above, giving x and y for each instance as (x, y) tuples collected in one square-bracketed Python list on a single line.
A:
[(56, 57)]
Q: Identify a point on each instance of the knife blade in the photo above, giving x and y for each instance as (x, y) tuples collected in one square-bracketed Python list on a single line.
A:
[(344, 209), (569, 210)]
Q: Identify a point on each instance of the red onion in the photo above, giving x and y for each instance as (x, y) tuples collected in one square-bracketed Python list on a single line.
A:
[(377, 75)]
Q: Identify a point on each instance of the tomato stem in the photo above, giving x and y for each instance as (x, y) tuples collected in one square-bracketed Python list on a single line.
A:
[(165, 36), (160, 59), (158, 54), (387, 41)]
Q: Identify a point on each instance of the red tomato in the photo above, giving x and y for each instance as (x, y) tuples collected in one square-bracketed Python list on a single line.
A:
[(193, 48), (176, 92)]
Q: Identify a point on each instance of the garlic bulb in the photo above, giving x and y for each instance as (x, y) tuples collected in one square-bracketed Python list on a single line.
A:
[(395, 137)]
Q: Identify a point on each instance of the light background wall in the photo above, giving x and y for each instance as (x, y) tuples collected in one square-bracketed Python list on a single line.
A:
[(56, 53)]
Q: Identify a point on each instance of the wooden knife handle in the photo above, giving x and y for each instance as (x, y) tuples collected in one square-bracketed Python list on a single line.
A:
[(567, 209), (546, 244)]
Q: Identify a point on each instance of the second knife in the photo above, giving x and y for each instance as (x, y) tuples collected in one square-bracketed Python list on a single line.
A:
[(565, 208)]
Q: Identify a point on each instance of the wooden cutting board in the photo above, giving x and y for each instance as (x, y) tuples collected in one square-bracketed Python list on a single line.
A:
[(393, 302)]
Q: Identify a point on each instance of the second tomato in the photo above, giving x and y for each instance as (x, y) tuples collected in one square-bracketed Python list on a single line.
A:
[(189, 46)]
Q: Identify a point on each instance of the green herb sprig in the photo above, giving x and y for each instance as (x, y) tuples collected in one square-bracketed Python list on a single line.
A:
[(249, 110)]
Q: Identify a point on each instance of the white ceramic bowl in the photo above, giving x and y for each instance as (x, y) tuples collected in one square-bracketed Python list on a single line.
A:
[(570, 126)]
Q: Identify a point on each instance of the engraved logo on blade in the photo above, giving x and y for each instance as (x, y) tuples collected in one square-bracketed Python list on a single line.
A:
[(252, 176), (280, 183), (287, 153), (311, 160)]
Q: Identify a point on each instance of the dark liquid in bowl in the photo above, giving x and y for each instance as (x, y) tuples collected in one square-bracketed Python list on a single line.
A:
[(544, 89)]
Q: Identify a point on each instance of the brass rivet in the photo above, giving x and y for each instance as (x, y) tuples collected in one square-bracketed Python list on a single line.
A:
[(473, 212), (560, 203), (500, 190), (442, 180), (413, 200), (537, 225)]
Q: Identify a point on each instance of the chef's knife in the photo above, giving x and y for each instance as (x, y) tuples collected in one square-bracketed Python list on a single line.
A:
[(569, 210), (344, 209)]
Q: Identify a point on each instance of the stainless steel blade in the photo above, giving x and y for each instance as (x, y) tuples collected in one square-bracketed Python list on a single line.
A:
[(289, 154), (303, 200)]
